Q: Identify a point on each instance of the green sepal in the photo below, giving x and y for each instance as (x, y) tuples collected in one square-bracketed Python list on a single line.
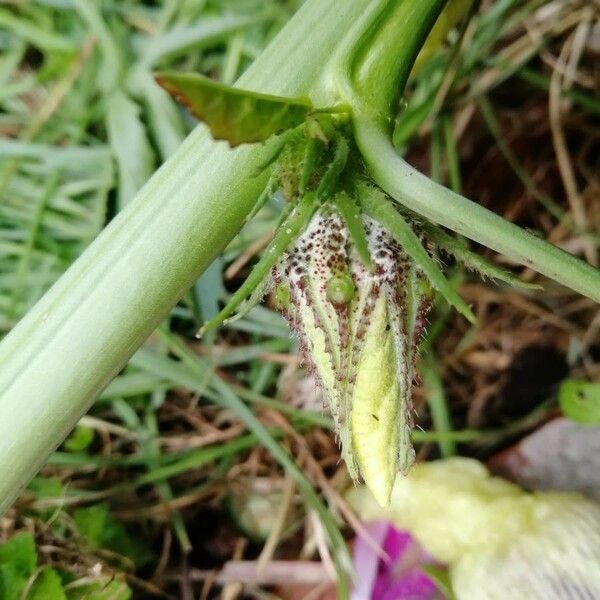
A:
[(289, 230), (337, 165), (275, 148), (266, 195), (238, 116), (257, 294), (474, 261), (350, 213), (315, 147), (376, 205)]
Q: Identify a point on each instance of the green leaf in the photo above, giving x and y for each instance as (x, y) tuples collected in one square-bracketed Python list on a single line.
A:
[(91, 523), (11, 582), (49, 487), (80, 439), (20, 553), (580, 401), (238, 116), (101, 530), (46, 487), (47, 586)]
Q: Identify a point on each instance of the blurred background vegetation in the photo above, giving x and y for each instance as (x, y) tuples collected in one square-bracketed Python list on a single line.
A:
[(161, 486)]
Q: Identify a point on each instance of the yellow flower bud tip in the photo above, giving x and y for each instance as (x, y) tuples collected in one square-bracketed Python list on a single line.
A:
[(355, 328)]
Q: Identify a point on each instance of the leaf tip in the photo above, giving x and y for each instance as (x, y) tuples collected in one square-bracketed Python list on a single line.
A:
[(165, 81), (469, 314)]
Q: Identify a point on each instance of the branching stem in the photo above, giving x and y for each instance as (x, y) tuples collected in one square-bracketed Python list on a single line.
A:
[(442, 206)]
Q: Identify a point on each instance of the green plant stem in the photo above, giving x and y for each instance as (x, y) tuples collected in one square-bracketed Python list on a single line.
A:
[(80, 334), (372, 67), (440, 205)]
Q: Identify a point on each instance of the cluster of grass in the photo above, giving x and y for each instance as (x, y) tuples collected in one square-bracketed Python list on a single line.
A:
[(83, 125)]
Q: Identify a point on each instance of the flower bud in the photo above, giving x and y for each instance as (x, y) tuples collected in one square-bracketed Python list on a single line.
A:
[(358, 326)]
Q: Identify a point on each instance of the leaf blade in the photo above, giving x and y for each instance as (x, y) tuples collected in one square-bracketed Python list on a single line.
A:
[(235, 115)]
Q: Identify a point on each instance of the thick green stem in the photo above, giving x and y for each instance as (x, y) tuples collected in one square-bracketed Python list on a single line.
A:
[(372, 67), (370, 77), (444, 207), (65, 351)]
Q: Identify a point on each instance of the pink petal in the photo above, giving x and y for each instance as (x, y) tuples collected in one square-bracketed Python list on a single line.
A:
[(366, 561), (400, 577)]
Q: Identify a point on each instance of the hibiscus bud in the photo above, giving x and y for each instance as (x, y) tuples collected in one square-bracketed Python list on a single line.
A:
[(358, 326)]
